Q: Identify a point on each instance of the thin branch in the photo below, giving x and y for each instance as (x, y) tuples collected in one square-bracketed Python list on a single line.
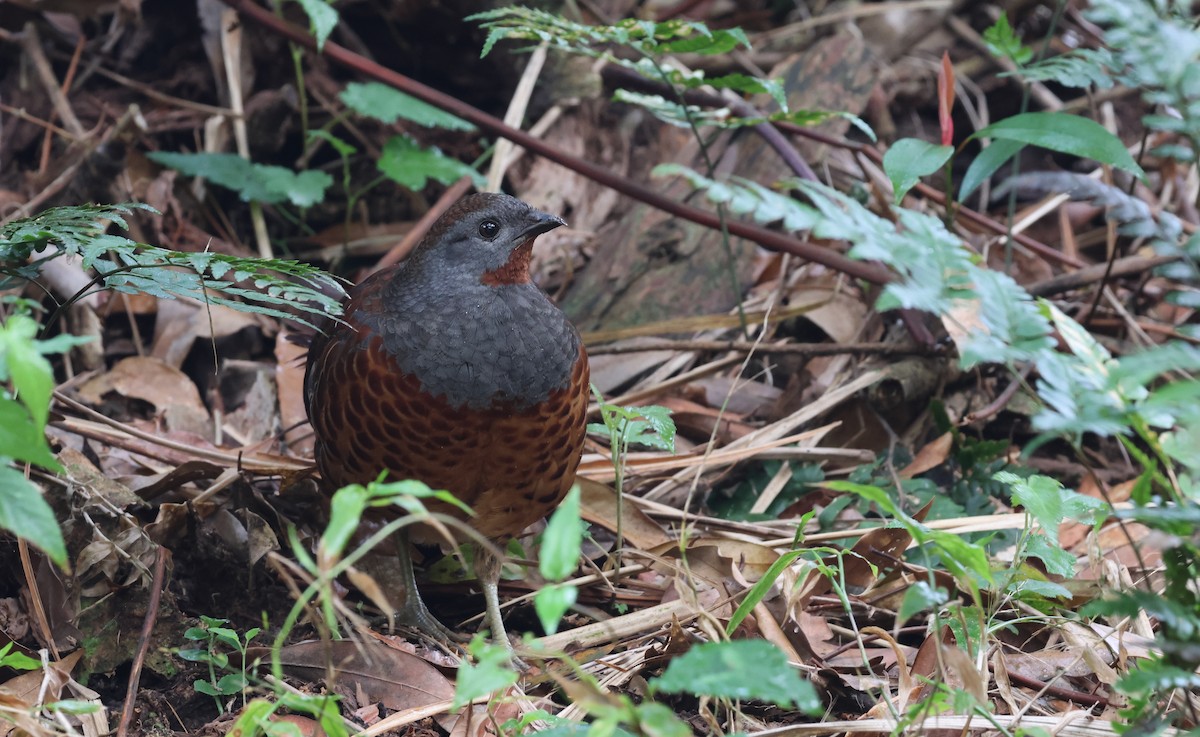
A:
[(769, 239)]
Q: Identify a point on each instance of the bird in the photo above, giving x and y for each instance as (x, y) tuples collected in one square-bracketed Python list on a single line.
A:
[(453, 368)]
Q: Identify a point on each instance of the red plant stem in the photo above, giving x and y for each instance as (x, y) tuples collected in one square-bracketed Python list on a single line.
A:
[(767, 238)]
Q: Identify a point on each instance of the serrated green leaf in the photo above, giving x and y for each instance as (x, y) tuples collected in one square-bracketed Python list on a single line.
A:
[(21, 439), (920, 597), (322, 19), (388, 104), (1003, 42), (1058, 562), (909, 159), (252, 182), (406, 163), (1069, 134), (491, 672), (741, 669), (1042, 498), (1078, 68)]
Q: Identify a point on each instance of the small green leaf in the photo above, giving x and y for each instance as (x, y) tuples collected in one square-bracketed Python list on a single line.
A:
[(74, 707), (345, 512), (252, 182), (30, 371), (17, 660), (206, 688), (388, 104), (552, 602), (193, 654), (659, 720), (1003, 42), (1042, 498), (406, 163), (24, 512), (761, 588), (491, 672), (920, 597), (321, 17), (909, 159), (742, 669), (231, 683), (562, 540), (304, 189), (1068, 134), (21, 439), (1058, 562)]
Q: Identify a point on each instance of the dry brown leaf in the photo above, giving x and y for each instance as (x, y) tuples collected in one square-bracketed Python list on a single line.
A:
[(289, 383), (399, 680), (256, 417), (839, 314), (172, 393), (181, 322), (929, 457), (599, 506), (962, 672), (35, 688)]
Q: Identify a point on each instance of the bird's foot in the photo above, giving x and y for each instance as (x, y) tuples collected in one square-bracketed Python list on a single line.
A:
[(416, 616)]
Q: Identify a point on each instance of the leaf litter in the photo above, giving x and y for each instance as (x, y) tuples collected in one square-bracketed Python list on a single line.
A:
[(160, 455)]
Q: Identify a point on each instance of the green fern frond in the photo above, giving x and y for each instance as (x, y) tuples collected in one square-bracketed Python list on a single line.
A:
[(276, 287)]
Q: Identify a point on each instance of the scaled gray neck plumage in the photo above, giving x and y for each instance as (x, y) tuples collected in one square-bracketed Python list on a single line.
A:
[(485, 345)]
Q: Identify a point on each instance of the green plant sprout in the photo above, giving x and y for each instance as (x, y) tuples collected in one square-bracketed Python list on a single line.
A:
[(217, 641), (650, 426)]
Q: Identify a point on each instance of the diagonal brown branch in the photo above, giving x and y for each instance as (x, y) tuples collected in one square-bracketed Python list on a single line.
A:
[(767, 238)]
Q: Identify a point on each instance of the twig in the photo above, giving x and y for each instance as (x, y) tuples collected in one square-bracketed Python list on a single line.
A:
[(231, 54), (514, 115), (50, 127), (139, 659), (68, 174), (618, 75), (66, 85), (237, 458), (803, 349), (452, 194), (32, 44), (851, 13), (1128, 266), (1037, 90), (1002, 400), (769, 239), (154, 94), (35, 594)]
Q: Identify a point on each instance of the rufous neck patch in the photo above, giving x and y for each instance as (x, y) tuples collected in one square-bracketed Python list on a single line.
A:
[(515, 270)]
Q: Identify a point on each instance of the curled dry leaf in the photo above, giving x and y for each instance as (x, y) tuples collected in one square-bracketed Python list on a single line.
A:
[(167, 389), (400, 680)]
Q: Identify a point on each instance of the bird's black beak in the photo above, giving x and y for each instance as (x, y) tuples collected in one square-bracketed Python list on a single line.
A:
[(543, 222)]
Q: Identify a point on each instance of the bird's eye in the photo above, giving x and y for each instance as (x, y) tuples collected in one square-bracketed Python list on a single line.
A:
[(489, 229)]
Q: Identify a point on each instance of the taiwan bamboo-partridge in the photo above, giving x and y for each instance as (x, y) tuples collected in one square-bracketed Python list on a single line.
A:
[(455, 369)]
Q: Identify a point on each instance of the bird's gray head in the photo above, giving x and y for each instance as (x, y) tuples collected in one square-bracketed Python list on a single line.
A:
[(484, 238)]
